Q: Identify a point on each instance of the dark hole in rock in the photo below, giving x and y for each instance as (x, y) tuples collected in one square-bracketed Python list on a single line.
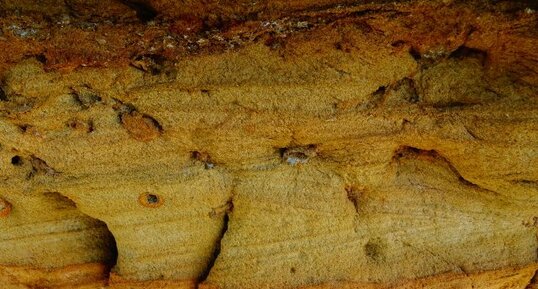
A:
[(398, 43), (41, 58), (144, 12), (24, 127), (415, 53), (380, 91), (464, 51), (16, 161), (3, 96), (372, 250), (297, 155), (152, 199)]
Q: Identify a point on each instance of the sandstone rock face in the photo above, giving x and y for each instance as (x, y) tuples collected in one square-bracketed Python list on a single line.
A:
[(269, 144)]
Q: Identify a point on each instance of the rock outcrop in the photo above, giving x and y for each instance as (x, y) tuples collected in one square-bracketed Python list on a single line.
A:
[(268, 144)]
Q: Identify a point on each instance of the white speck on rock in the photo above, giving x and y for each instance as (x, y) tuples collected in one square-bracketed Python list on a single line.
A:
[(22, 32), (302, 24), (296, 160)]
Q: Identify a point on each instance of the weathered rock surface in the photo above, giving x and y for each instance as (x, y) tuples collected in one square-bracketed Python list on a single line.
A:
[(268, 144)]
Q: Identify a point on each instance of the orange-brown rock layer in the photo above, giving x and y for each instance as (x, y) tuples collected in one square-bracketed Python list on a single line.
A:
[(268, 144)]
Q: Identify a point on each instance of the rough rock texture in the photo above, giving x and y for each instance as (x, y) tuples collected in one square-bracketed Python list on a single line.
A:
[(268, 144)]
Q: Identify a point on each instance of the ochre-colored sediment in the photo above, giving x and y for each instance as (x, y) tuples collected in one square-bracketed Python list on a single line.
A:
[(83, 276), (268, 144)]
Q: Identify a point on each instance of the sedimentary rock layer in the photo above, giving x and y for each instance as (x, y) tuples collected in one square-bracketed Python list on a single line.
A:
[(276, 144)]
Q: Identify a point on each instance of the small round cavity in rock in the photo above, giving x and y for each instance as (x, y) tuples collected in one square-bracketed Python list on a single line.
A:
[(150, 200), (298, 155), (16, 161)]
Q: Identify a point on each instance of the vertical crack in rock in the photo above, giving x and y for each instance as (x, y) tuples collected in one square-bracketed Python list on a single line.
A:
[(353, 196), (3, 96), (533, 282), (536, 259), (279, 208), (144, 218), (228, 207), (293, 224)]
